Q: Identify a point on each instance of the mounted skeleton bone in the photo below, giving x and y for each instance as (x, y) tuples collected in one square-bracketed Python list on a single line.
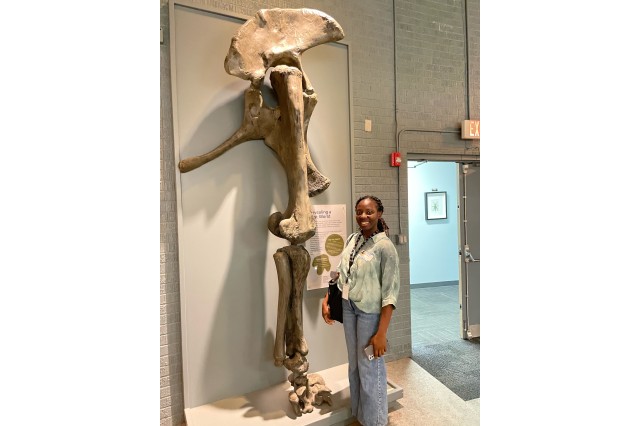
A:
[(276, 38)]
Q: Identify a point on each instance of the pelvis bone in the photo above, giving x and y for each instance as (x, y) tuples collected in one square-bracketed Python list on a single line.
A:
[(276, 38)]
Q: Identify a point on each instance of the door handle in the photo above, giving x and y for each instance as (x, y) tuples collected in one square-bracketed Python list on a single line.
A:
[(468, 257)]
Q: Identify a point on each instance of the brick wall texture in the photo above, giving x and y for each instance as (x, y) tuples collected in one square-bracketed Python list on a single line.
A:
[(422, 92), (171, 400)]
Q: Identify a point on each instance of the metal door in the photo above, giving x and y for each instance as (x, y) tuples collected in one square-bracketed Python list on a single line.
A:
[(469, 204)]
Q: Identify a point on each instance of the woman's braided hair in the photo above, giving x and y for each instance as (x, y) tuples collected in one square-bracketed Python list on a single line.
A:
[(382, 225)]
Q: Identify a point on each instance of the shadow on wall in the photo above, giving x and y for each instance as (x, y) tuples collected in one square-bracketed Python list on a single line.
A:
[(225, 205)]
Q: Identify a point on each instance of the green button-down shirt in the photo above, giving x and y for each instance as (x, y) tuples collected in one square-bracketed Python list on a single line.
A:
[(375, 275)]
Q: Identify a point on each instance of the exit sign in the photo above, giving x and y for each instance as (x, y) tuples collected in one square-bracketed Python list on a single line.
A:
[(471, 129)]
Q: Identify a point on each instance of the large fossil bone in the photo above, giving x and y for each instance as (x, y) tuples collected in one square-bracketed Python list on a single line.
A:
[(296, 223), (258, 123), (275, 39), (292, 265), (278, 36)]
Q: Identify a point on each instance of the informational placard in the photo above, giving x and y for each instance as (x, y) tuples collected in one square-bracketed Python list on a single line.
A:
[(326, 246)]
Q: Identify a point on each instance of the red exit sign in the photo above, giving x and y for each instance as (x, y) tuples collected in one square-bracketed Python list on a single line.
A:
[(471, 129)]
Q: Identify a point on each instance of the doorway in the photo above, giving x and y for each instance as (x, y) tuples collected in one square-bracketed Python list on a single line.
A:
[(433, 251), (444, 259), (444, 249)]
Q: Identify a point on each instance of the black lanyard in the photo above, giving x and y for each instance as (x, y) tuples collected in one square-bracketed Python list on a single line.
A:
[(356, 249)]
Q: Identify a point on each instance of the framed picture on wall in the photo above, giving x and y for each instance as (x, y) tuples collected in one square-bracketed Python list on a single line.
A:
[(436, 205)]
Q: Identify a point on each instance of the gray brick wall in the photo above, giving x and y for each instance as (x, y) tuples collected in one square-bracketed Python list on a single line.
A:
[(431, 84), (171, 399)]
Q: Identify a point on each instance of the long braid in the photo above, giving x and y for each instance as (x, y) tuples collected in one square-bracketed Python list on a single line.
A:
[(382, 225)]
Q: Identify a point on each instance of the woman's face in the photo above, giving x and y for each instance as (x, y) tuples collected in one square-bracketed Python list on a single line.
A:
[(367, 216)]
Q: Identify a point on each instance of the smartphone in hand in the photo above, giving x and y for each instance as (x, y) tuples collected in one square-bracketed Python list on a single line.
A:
[(369, 352)]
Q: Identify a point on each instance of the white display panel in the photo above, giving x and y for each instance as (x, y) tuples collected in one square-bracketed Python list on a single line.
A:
[(229, 285)]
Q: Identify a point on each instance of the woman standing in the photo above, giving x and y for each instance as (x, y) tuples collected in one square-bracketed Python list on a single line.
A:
[(369, 279)]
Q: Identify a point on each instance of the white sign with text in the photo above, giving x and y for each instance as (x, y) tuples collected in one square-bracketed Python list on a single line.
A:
[(326, 245)]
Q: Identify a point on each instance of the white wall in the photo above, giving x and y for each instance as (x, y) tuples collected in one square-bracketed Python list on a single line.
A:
[(433, 244)]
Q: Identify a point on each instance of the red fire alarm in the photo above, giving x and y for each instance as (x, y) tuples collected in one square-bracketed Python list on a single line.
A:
[(395, 159)]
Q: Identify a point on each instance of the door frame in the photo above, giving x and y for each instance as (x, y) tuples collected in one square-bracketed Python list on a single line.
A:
[(459, 160), (469, 331)]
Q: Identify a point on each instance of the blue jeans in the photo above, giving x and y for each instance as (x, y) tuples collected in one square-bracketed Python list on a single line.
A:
[(367, 379)]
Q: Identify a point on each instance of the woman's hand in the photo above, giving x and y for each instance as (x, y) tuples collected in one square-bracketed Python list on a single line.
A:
[(379, 342), (326, 311)]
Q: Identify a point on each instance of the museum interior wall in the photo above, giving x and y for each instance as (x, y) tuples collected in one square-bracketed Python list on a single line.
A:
[(433, 243), (433, 78)]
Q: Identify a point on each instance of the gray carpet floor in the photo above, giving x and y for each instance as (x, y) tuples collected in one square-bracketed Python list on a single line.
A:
[(437, 344), (455, 364)]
